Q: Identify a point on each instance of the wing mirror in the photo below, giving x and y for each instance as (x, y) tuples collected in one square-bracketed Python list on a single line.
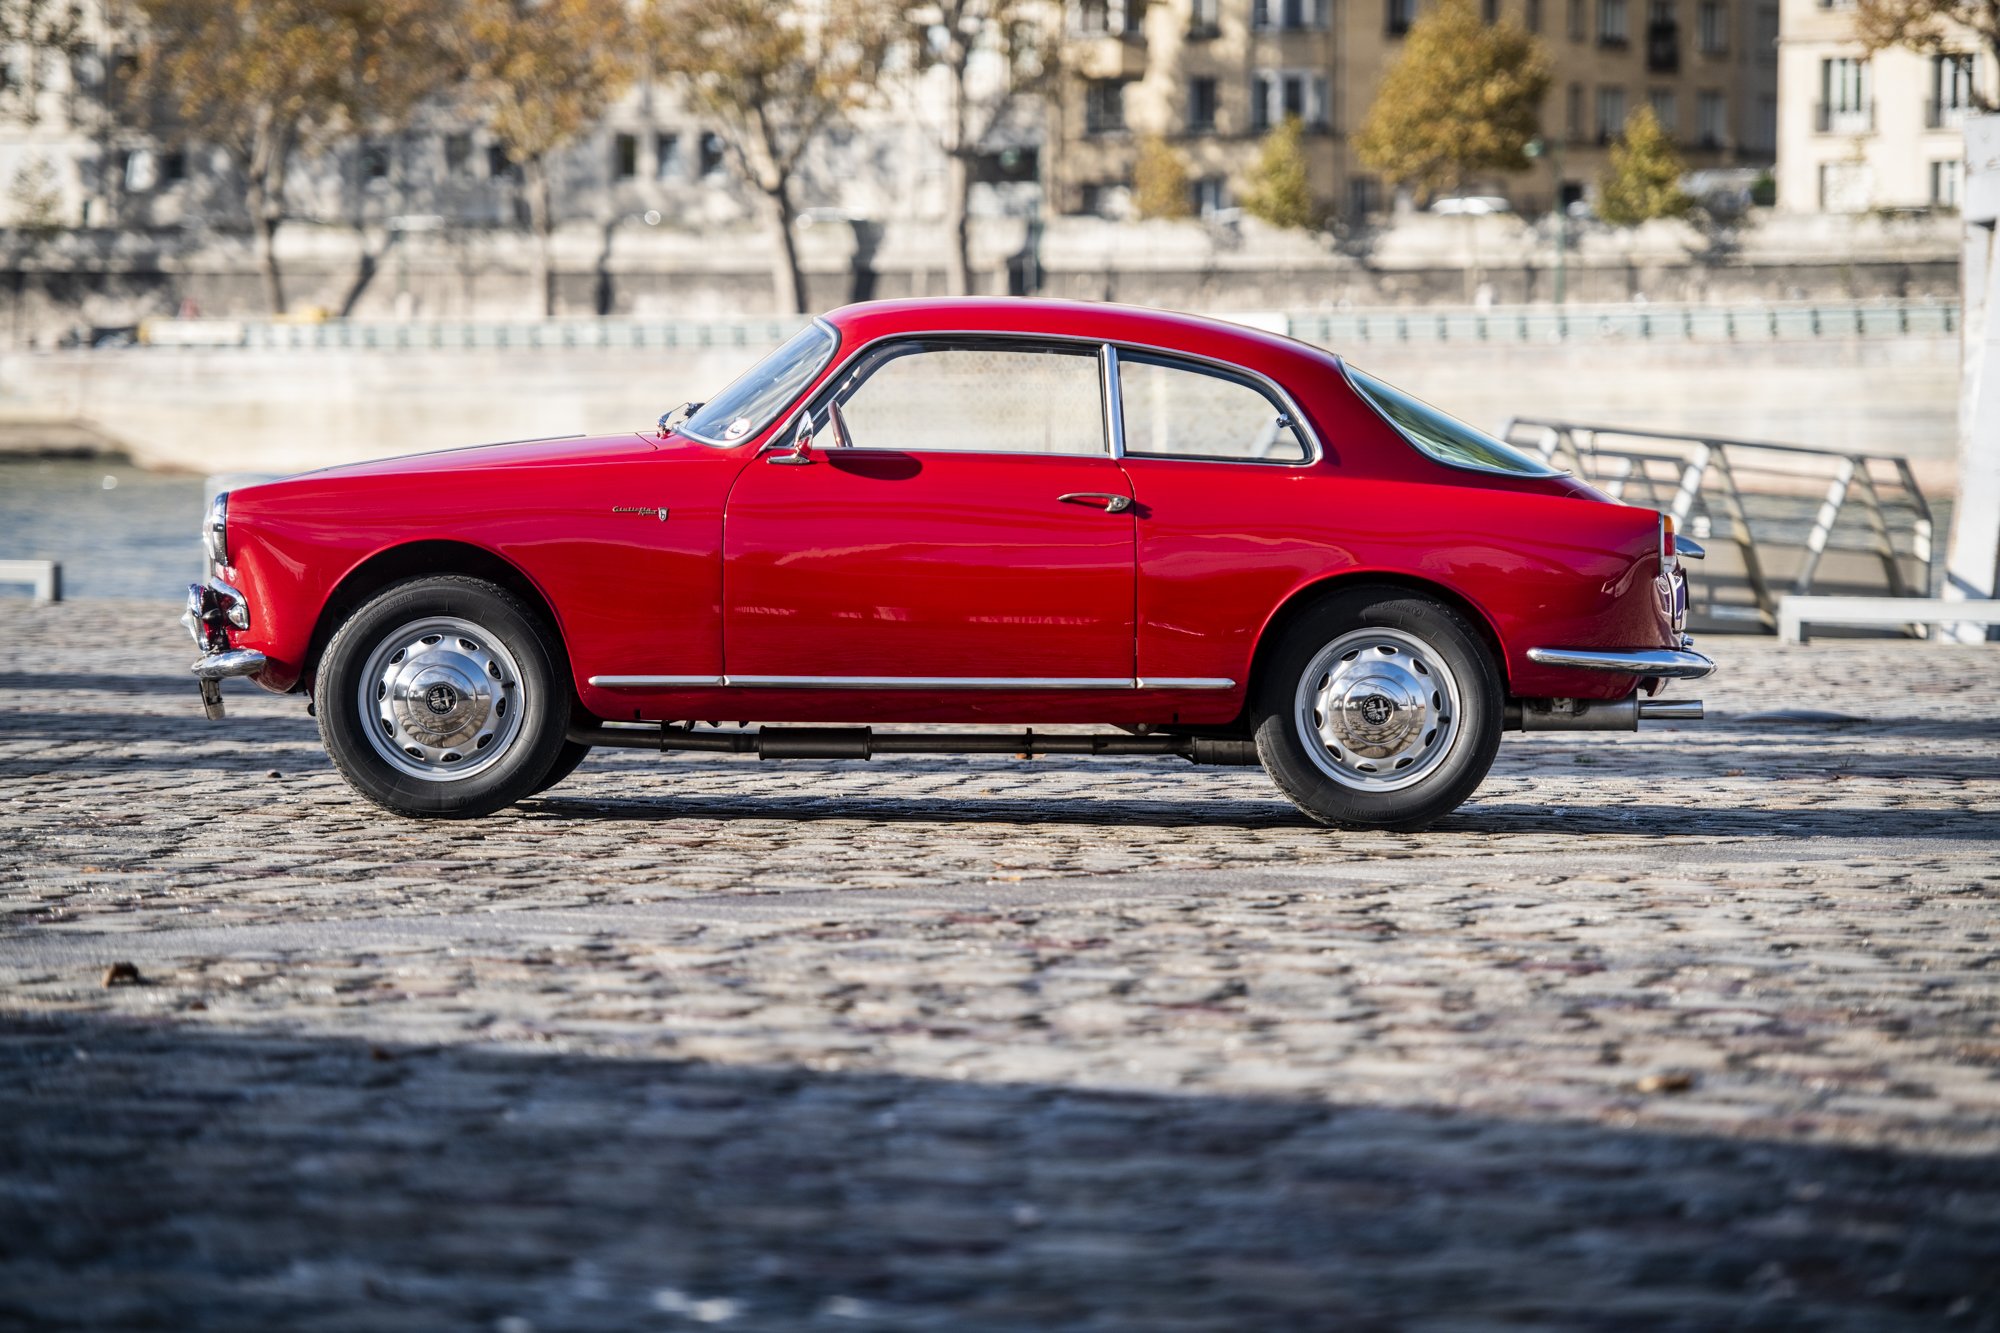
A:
[(802, 443), (673, 418)]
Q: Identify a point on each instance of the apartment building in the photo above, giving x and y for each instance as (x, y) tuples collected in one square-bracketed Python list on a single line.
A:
[(1860, 131), (1213, 76)]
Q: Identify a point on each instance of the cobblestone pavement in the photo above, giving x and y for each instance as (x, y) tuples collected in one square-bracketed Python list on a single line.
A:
[(1693, 1028)]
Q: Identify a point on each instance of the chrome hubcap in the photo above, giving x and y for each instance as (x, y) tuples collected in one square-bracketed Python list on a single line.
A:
[(441, 699), (1377, 709)]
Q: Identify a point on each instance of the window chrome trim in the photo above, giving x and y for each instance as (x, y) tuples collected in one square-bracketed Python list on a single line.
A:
[(1300, 421), (915, 682), (1114, 400)]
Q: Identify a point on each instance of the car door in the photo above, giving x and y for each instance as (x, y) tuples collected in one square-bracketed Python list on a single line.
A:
[(1228, 520), (961, 524)]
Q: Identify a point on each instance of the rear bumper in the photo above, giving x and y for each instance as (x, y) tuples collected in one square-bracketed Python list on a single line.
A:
[(1665, 663)]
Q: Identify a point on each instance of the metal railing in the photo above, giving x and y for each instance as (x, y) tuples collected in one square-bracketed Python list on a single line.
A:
[(1640, 323), (1700, 480)]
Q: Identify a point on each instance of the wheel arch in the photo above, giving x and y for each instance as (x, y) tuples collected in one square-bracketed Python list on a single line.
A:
[(1312, 594), (416, 559)]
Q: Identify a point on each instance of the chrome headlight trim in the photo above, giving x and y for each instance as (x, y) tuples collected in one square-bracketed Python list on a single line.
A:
[(215, 530)]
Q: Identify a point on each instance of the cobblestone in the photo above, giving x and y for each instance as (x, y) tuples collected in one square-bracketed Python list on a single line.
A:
[(1691, 1028)]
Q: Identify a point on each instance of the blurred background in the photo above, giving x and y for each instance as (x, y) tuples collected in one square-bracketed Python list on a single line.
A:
[(248, 237)]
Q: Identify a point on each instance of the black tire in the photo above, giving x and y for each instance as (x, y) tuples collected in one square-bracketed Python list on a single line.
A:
[(1419, 709), (460, 666), (567, 758)]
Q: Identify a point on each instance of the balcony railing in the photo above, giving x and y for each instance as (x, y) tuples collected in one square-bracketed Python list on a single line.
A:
[(1663, 48), (1829, 119), (1944, 115)]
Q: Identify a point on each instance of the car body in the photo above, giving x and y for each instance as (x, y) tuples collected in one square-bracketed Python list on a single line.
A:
[(1471, 205), (972, 511)]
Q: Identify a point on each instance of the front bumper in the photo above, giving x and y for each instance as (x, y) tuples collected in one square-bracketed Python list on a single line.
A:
[(210, 608), (1665, 663)]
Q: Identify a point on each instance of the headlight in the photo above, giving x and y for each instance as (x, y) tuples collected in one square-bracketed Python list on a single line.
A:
[(215, 530)]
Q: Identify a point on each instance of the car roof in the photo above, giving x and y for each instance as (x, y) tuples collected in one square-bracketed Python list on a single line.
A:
[(1094, 320)]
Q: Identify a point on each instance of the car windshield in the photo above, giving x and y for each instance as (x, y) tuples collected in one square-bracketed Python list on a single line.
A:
[(1444, 437), (748, 406)]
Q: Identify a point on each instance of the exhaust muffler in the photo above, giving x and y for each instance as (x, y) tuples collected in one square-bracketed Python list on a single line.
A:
[(1598, 714)]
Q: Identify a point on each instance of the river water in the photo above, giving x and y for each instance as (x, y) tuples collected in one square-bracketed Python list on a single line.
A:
[(118, 531)]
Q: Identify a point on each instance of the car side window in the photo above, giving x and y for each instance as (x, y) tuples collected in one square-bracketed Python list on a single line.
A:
[(975, 397), (1178, 409)]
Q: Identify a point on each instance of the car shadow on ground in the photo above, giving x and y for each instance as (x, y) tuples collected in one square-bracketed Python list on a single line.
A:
[(170, 1175)]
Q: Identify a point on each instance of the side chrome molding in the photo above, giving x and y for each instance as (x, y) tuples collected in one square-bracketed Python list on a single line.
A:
[(914, 682)]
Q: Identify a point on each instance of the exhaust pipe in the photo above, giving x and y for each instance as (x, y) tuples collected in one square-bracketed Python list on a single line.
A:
[(1598, 714)]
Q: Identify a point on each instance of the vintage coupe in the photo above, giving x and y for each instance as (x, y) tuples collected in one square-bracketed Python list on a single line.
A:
[(1229, 546)]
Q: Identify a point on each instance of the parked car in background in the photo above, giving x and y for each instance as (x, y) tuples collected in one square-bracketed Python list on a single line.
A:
[(1218, 543), (1471, 205)]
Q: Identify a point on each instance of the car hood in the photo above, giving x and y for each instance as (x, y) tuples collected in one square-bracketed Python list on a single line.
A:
[(553, 451)]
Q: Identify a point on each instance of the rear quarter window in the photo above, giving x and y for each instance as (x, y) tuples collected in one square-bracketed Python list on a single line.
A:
[(1442, 436)]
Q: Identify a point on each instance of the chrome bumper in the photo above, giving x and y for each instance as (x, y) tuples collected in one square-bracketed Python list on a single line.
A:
[(211, 670), (1666, 663)]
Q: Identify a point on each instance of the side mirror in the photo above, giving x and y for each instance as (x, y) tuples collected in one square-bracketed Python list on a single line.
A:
[(670, 419), (802, 443)]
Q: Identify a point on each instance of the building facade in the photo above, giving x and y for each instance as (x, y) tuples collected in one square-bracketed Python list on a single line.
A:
[(1212, 77), (1862, 132)]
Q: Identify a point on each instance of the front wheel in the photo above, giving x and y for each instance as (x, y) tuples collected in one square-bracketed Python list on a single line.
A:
[(443, 697), (1379, 709)]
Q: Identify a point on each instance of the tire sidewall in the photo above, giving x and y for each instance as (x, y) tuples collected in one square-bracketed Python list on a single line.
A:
[(1482, 697), (544, 699)]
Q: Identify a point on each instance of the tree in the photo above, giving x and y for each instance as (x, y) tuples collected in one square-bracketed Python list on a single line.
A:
[(35, 199), (1931, 27), (1463, 97), (1018, 46), (1642, 179), (1280, 192), (269, 80), (541, 72), (774, 78), (1160, 181), (43, 28)]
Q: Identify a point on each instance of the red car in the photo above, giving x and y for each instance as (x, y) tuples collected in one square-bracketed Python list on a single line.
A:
[(1216, 543)]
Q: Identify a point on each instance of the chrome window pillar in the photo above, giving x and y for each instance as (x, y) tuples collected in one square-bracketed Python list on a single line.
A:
[(1114, 402)]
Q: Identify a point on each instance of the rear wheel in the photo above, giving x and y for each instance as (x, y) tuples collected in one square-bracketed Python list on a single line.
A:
[(1379, 709), (442, 697)]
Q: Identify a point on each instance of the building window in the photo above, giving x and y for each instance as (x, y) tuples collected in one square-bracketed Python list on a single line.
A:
[(1205, 18), (1711, 114), (1402, 13), (1490, 10), (624, 156), (1951, 91), (498, 164), (457, 154), (1276, 94), (1845, 187), (1576, 125), (712, 150), (1762, 132), (1611, 30), (1663, 39), (173, 166), (668, 162), (1712, 27), (1610, 113), (1294, 15), (1201, 106), (1946, 180), (1093, 17), (1364, 197), (1211, 195), (374, 163), (1579, 21), (1847, 104), (1103, 106), (1532, 15), (1767, 34), (1666, 110)]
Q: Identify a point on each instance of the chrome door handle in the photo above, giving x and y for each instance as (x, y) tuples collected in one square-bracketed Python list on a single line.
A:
[(1113, 504)]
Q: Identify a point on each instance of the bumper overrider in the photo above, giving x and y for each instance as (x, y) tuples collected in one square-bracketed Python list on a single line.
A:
[(213, 609)]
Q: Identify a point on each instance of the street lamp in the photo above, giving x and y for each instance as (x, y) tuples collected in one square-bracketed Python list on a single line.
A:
[(1538, 148)]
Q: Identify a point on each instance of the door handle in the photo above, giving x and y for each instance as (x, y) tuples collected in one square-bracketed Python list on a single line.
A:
[(1113, 504)]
